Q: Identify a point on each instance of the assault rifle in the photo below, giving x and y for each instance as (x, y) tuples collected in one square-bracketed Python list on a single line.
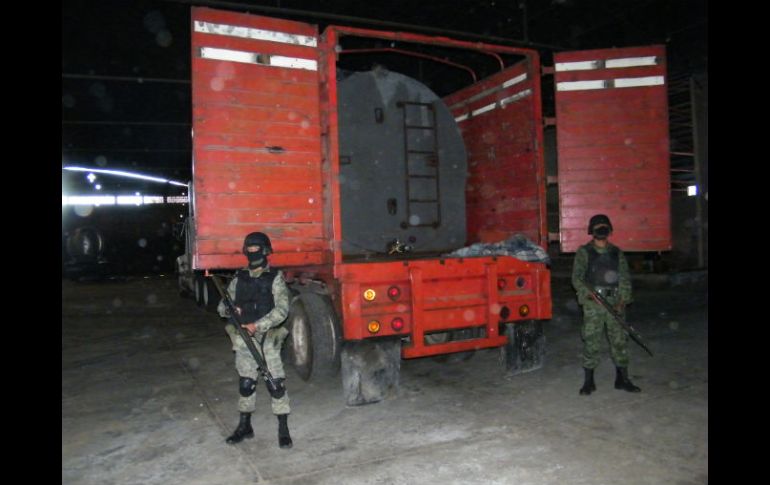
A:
[(618, 318), (275, 388)]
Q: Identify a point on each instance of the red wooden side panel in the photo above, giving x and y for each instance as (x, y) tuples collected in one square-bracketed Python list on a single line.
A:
[(499, 118), (613, 146), (256, 138)]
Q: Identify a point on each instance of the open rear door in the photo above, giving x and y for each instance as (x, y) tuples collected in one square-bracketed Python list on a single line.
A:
[(256, 138), (500, 119), (613, 146)]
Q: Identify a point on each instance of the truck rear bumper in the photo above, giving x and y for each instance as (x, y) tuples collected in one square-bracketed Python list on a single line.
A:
[(419, 298)]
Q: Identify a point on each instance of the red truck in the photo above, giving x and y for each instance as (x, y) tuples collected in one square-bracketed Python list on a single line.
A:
[(366, 178)]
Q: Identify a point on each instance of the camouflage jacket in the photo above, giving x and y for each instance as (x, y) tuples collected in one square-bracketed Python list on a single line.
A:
[(280, 294), (581, 266)]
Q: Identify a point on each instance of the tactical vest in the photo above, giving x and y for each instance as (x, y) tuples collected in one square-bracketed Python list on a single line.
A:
[(603, 269), (254, 295)]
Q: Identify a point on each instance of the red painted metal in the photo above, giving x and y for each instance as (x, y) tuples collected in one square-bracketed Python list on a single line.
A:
[(505, 191), (330, 144), (613, 152), (441, 295), (266, 158), (256, 146), (415, 54)]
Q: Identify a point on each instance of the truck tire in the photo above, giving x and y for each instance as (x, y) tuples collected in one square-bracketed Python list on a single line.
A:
[(85, 244), (525, 349), (183, 291), (200, 287), (314, 340), (210, 295)]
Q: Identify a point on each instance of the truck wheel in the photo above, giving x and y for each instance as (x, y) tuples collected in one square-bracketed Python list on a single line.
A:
[(314, 336), (370, 370), (525, 349), (210, 295), (183, 291), (200, 287)]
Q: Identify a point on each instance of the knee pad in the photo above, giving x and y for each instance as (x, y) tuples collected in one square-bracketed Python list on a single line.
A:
[(247, 386), (280, 388)]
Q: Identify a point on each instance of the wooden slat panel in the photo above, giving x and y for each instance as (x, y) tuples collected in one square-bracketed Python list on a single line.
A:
[(234, 246), (248, 99), (280, 260), (251, 171), (238, 142), (257, 217), (502, 161), (287, 230), (242, 111), (218, 201), (613, 152)]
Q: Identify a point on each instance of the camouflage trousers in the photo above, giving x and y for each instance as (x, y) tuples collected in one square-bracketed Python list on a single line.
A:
[(596, 320), (270, 350)]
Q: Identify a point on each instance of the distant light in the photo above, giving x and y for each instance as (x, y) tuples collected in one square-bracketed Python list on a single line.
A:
[(129, 200), (125, 174), (98, 187), (137, 193), (91, 177), (120, 199), (88, 200), (692, 190)]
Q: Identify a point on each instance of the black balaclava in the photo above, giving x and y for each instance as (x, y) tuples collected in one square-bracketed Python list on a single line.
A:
[(601, 233), (257, 259)]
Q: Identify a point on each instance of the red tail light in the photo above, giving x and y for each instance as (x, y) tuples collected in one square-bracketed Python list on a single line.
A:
[(501, 283), (394, 292), (397, 324)]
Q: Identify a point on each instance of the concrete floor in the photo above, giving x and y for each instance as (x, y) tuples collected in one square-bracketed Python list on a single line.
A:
[(149, 394)]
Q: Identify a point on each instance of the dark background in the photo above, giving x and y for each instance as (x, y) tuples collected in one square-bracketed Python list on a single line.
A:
[(126, 65), (126, 100)]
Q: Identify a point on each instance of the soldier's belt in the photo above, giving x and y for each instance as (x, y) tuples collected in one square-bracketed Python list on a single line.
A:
[(607, 292)]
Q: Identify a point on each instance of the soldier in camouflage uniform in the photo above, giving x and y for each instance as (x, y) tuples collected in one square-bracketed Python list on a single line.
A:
[(603, 266), (261, 298)]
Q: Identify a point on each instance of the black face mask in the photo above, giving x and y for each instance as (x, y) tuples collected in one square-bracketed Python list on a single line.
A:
[(601, 232), (256, 260)]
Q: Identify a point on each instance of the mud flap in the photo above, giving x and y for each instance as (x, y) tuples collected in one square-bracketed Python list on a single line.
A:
[(370, 370), (525, 349)]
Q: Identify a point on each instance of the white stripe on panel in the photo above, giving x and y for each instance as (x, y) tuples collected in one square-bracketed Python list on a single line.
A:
[(632, 82), (255, 58), (632, 62), (229, 55), (256, 34), (580, 85), (294, 63), (515, 97), (577, 66), (483, 109), (516, 80)]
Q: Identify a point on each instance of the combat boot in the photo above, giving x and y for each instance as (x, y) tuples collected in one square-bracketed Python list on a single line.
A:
[(623, 382), (588, 384), (284, 439), (242, 431)]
